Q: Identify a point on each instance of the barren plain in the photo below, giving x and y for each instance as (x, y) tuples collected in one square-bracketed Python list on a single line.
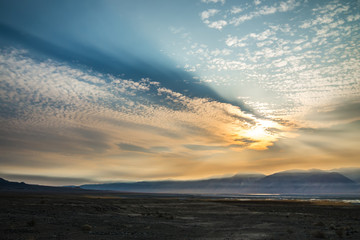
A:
[(31, 216)]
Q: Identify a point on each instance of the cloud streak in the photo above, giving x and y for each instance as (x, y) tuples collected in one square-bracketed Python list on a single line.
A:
[(213, 1), (265, 10), (54, 111)]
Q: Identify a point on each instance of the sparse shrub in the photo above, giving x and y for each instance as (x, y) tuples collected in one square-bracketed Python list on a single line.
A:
[(339, 232), (349, 230), (319, 224), (86, 228), (318, 234), (31, 223)]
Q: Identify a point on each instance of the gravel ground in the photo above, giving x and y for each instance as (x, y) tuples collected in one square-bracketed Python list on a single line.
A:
[(124, 216)]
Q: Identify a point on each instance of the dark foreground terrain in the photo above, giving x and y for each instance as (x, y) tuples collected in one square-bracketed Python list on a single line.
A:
[(122, 216)]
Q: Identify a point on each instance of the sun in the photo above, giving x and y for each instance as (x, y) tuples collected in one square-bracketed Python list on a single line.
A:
[(256, 133), (260, 135), (261, 129)]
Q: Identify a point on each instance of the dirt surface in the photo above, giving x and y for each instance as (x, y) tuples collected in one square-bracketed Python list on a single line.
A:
[(118, 216)]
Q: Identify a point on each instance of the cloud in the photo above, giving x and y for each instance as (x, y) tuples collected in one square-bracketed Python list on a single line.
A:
[(288, 6), (235, 10), (235, 42), (266, 10), (208, 13), (160, 149), (214, 1), (257, 2), (280, 63), (352, 18), (346, 111), (221, 64), (324, 147), (205, 15), (70, 117), (325, 14), (262, 36), (320, 55), (245, 140), (134, 62), (217, 24), (204, 147), (132, 148), (223, 52)]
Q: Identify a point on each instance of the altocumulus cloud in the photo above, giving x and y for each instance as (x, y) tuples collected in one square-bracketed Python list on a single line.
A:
[(80, 118), (310, 60)]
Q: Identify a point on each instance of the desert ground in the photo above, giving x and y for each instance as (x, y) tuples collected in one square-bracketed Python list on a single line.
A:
[(31, 216)]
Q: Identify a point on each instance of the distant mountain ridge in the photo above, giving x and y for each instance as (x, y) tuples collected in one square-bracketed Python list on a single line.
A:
[(288, 182), (216, 185), (8, 186), (352, 173), (306, 183), (297, 182)]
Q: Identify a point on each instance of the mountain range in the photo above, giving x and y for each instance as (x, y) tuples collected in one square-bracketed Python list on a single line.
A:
[(287, 182), (297, 182), (8, 186)]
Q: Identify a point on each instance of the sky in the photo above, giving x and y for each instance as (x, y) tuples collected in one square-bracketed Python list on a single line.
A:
[(102, 91)]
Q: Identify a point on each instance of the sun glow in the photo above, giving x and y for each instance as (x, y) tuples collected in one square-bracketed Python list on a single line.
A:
[(261, 135), (257, 132)]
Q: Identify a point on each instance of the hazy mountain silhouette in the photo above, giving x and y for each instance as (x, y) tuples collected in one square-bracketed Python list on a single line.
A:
[(216, 185), (297, 182), (311, 182), (8, 186), (351, 173), (288, 182)]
